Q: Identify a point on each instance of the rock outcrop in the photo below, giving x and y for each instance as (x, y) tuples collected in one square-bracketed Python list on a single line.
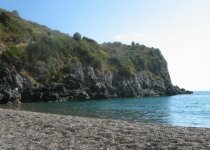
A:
[(40, 64), (83, 83)]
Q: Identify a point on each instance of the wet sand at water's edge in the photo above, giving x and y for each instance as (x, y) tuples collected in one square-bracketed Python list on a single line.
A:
[(30, 130)]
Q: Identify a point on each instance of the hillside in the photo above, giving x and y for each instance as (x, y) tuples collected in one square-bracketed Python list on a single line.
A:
[(47, 65)]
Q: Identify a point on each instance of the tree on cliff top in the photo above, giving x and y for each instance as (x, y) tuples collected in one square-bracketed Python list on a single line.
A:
[(15, 12), (77, 36)]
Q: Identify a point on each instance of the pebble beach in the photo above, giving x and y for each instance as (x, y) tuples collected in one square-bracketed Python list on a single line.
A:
[(20, 130)]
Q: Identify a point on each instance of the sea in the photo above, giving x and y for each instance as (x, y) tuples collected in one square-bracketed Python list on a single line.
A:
[(190, 110)]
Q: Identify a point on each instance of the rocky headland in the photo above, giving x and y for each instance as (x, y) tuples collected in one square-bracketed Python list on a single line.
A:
[(46, 65)]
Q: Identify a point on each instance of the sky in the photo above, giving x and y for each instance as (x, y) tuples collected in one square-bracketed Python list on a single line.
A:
[(179, 28)]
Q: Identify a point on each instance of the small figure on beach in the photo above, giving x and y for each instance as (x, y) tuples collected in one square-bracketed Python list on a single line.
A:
[(17, 103)]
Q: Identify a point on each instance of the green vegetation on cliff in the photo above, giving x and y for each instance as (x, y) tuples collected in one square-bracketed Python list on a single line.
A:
[(24, 42), (47, 65)]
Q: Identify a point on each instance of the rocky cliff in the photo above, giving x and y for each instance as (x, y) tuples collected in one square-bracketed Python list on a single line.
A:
[(46, 65)]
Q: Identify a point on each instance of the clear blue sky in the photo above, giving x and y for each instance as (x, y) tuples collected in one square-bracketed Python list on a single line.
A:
[(180, 28)]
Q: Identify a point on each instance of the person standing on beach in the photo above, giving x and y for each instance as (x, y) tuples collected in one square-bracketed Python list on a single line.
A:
[(17, 103)]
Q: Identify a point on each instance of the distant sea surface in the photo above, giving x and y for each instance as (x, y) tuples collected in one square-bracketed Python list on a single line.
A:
[(182, 110)]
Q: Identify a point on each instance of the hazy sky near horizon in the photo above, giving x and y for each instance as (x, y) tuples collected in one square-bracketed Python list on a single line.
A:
[(179, 28)]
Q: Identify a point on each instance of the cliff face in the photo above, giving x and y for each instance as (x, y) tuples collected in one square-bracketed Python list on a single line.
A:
[(47, 65)]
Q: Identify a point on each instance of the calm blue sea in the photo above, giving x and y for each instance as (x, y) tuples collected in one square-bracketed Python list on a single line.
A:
[(181, 110)]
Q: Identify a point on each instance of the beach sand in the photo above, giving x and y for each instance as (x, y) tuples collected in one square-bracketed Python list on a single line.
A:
[(30, 130)]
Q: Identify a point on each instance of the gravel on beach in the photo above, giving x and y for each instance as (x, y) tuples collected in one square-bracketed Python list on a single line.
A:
[(37, 131)]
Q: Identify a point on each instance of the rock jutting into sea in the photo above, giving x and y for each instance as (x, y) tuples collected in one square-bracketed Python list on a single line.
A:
[(47, 65), (31, 130)]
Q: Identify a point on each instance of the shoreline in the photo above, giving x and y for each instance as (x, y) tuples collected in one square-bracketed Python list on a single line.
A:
[(32, 130)]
